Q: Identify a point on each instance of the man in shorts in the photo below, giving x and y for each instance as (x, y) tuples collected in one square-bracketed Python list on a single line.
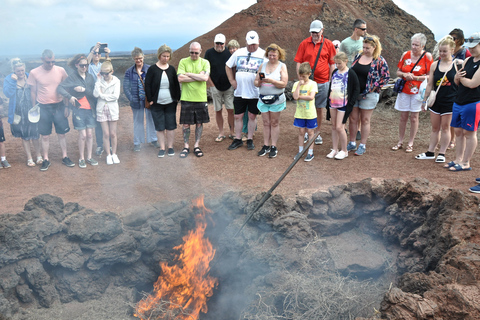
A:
[(246, 61), (43, 82), (322, 69), (220, 88), (193, 73)]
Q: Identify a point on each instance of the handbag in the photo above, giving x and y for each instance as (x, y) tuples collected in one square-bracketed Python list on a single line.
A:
[(400, 83), (147, 103)]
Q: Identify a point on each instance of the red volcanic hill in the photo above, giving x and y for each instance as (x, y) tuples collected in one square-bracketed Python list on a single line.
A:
[(286, 23)]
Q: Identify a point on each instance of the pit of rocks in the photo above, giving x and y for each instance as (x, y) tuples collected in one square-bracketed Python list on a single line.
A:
[(370, 249)]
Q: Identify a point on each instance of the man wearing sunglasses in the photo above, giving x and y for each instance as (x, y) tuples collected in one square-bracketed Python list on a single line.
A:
[(43, 82), (353, 44), (193, 73)]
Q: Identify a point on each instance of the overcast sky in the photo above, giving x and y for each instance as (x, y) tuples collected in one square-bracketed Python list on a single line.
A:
[(68, 27)]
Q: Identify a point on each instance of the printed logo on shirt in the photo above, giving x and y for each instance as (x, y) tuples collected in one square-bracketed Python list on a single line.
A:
[(248, 64)]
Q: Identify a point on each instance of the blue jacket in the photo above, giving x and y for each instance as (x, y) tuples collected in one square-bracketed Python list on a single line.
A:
[(130, 87), (10, 91)]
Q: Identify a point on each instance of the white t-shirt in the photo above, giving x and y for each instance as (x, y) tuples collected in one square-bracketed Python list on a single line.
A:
[(247, 65)]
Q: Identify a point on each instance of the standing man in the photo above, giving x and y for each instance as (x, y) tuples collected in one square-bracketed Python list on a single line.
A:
[(322, 66), (353, 44), (43, 82), (220, 88), (246, 61), (94, 66), (193, 73)]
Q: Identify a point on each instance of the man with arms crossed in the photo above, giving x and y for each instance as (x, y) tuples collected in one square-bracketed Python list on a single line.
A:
[(44, 81)]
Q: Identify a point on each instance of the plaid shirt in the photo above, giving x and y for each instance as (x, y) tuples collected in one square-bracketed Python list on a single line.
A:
[(378, 74)]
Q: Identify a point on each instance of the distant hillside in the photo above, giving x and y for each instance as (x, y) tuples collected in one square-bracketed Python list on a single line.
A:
[(286, 23)]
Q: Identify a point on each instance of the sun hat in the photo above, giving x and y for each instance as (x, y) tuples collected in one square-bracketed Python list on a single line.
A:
[(34, 114), (473, 40), (252, 37), (316, 26)]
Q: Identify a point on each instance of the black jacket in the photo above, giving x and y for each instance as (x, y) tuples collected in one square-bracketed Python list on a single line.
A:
[(153, 79), (353, 90)]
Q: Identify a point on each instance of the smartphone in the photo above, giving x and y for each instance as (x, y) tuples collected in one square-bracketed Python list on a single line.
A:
[(262, 75), (102, 47), (77, 104)]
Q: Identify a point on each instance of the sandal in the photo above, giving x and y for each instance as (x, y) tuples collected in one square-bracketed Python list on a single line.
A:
[(409, 148), (30, 163), (198, 152), (219, 138), (231, 136), (398, 146), (458, 167), (184, 153), (451, 145), (449, 165)]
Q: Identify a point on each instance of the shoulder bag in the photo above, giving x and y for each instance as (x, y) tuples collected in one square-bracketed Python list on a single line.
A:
[(400, 83)]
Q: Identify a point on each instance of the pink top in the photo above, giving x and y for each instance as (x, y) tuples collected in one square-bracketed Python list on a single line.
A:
[(44, 83)]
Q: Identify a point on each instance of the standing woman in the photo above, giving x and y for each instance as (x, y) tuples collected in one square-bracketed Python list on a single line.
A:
[(272, 78), (407, 102), (134, 89), (441, 111), (163, 91), (372, 72), (78, 89), (16, 89), (107, 92)]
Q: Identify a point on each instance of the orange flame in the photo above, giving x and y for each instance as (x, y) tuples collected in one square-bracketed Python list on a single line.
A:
[(183, 289)]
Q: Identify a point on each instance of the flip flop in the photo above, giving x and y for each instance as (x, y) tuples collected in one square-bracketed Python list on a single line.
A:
[(458, 167), (449, 165), (219, 138), (198, 152), (184, 153)]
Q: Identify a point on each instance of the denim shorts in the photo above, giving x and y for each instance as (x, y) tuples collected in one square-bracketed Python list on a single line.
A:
[(368, 101), (83, 119)]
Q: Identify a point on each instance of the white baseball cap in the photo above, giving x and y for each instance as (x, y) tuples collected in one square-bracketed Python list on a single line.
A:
[(316, 26), (219, 38), (252, 38), (473, 40)]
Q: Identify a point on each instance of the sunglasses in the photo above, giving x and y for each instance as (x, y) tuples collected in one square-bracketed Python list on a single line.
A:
[(363, 29), (472, 40), (369, 39), (454, 38), (219, 43), (83, 65), (105, 73), (96, 52), (313, 32), (193, 52)]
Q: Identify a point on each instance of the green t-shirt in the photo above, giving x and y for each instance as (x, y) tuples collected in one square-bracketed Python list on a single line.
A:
[(195, 91), (306, 109), (351, 48)]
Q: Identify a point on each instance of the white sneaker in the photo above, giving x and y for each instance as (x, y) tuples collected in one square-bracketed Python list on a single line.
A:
[(115, 159), (341, 155), (332, 154), (109, 159)]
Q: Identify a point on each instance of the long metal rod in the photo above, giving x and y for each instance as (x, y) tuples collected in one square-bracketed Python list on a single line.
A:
[(275, 185)]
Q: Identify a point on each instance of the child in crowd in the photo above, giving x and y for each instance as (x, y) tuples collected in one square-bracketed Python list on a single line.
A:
[(107, 90), (343, 92), (304, 92), (3, 161)]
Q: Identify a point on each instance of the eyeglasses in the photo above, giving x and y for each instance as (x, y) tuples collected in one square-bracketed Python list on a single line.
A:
[(219, 43), (105, 73), (96, 52), (193, 52), (363, 29)]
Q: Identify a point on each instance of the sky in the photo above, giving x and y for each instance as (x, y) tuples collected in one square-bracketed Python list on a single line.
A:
[(69, 27)]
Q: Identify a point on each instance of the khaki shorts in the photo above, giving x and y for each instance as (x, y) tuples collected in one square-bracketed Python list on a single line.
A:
[(222, 97)]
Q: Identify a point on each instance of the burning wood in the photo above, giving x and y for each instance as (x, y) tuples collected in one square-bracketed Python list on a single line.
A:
[(182, 290)]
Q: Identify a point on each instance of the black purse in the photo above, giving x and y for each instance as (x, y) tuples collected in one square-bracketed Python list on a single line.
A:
[(400, 83)]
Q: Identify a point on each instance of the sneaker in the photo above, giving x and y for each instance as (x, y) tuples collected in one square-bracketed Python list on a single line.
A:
[(5, 164), (99, 151), (359, 136), (115, 159), (69, 163), (305, 138), (361, 150), (319, 140), (171, 152), (475, 189), (92, 162), (45, 165), (309, 158), (351, 146), (264, 151), (237, 143), (136, 147), (155, 144), (109, 159), (81, 163), (477, 180), (273, 152), (332, 154), (341, 155), (250, 145), (161, 153)]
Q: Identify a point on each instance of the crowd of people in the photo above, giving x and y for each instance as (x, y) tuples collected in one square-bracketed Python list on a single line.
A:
[(344, 78)]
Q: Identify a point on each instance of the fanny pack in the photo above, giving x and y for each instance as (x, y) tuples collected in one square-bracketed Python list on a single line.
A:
[(269, 98)]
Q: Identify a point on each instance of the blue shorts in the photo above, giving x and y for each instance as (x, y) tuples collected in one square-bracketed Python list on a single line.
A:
[(305, 123), (83, 119), (466, 117), (271, 107)]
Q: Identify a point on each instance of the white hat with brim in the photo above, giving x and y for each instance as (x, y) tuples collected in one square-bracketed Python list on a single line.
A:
[(34, 114), (473, 40)]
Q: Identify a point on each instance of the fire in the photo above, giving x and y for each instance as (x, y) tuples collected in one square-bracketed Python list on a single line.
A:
[(182, 290)]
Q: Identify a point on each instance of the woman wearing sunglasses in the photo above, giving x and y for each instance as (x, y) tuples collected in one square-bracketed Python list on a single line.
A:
[(78, 90)]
